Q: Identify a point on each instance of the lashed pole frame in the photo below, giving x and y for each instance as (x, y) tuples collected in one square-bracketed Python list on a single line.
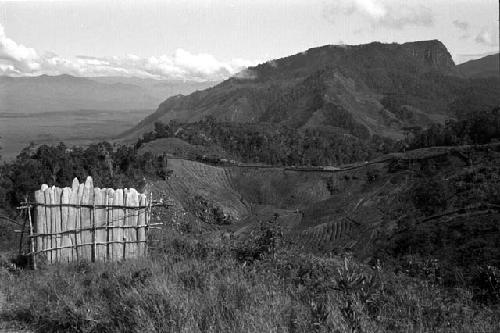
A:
[(88, 223)]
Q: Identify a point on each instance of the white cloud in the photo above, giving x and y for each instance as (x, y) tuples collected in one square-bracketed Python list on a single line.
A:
[(14, 56), (19, 60), (461, 25), (488, 36), (382, 13)]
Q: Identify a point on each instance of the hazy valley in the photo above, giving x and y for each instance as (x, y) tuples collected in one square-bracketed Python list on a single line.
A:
[(76, 110)]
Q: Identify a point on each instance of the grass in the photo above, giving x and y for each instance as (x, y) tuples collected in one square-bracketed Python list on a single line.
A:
[(190, 285)]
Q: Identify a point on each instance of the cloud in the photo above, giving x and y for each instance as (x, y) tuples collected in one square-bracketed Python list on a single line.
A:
[(19, 60), (488, 36), (464, 27), (381, 13), (461, 25), (13, 55)]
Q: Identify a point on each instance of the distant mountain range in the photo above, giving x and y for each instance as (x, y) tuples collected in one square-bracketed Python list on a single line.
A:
[(362, 90), (481, 68), (69, 93)]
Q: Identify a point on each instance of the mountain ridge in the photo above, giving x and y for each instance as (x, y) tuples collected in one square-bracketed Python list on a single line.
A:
[(370, 89), (46, 93), (484, 67)]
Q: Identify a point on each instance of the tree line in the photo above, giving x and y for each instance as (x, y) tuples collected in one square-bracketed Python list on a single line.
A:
[(274, 144)]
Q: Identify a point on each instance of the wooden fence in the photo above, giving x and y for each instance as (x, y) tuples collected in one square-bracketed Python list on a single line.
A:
[(89, 223)]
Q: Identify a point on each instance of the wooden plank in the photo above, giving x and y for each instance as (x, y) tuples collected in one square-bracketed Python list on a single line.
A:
[(39, 219), (56, 221), (142, 220), (45, 226), (48, 225), (110, 193), (79, 249), (117, 220), (66, 253), (131, 200), (72, 217), (32, 240), (86, 219), (100, 221)]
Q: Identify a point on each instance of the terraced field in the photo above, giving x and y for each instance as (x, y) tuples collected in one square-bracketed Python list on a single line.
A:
[(322, 211), (308, 205), (190, 179)]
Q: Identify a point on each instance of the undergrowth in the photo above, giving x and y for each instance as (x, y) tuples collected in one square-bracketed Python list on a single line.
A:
[(194, 285)]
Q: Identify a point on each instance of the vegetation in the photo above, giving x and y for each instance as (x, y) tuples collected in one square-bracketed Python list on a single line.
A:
[(445, 223), (426, 273), (273, 143), (472, 128), (192, 284), (109, 166)]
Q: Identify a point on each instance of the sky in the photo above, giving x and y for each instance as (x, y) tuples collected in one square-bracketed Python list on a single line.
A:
[(213, 39)]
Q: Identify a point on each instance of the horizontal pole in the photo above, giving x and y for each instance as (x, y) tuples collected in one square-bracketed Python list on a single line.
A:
[(82, 205), (86, 244), (35, 204), (76, 231)]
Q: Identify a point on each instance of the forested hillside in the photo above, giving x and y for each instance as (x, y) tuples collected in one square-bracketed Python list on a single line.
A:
[(361, 90)]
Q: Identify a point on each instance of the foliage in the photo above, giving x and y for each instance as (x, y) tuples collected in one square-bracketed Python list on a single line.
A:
[(275, 144), (207, 211), (446, 232), (473, 128), (109, 166), (260, 243), (197, 286)]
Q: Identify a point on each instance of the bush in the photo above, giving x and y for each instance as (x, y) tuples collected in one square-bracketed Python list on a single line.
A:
[(194, 285)]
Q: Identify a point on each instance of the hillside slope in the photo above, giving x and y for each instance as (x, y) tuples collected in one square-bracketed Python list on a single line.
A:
[(365, 89), (481, 68), (360, 207)]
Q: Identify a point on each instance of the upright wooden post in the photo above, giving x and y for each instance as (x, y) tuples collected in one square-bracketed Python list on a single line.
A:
[(48, 225), (79, 247), (32, 240), (56, 216), (109, 222), (117, 220), (100, 200), (130, 223), (73, 219), (65, 225), (142, 220), (93, 250), (86, 217), (40, 218)]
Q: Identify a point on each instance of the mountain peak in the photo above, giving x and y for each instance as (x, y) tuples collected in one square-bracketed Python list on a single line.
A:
[(433, 52), (374, 88), (431, 55)]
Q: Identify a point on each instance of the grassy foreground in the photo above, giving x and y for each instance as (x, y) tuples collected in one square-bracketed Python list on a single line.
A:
[(194, 286)]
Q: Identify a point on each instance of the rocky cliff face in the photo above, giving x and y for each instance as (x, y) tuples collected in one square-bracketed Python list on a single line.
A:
[(432, 54)]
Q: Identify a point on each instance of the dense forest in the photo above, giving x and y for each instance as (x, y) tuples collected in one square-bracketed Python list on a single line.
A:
[(109, 166), (274, 144), (471, 129)]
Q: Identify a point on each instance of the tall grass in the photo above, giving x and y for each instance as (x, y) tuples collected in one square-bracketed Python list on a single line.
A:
[(198, 286)]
